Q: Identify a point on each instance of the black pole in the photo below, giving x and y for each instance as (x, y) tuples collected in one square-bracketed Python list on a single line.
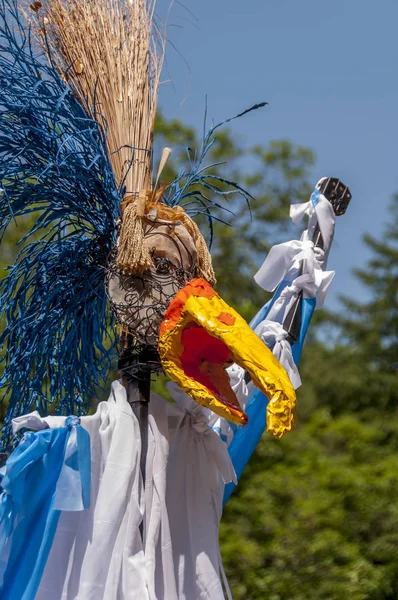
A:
[(136, 363), (138, 388), (138, 396), (292, 322)]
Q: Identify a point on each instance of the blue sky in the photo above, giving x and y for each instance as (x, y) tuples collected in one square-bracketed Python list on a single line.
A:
[(329, 72)]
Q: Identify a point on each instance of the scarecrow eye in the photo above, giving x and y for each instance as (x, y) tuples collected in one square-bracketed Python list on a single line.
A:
[(163, 266)]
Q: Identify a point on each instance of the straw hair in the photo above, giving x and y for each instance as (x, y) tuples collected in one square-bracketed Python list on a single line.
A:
[(110, 53), (204, 267), (133, 256)]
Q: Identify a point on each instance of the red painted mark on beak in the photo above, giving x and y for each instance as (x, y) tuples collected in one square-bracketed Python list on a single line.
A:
[(226, 318)]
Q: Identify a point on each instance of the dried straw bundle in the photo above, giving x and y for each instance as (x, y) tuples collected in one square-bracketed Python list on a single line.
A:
[(110, 52)]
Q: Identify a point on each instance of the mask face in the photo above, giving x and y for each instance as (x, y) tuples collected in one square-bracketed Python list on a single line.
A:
[(139, 302), (170, 311)]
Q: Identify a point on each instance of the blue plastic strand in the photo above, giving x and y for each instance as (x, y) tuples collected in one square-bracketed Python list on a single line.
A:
[(57, 345)]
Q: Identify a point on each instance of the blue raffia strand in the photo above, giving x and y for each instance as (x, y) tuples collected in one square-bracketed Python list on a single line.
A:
[(57, 344), (191, 187)]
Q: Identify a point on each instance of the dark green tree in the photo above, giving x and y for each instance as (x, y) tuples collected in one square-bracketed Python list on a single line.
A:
[(365, 355), (315, 515)]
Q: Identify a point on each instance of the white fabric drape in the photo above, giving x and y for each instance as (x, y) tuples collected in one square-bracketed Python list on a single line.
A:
[(99, 554), (282, 259), (319, 210), (274, 336), (299, 262)]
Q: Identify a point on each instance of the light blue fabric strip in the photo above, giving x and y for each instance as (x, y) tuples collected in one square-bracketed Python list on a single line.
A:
[(29, 486), (308, 307), (247, 438), (73, 486), (315, 197), (263, 312), (28, 520)]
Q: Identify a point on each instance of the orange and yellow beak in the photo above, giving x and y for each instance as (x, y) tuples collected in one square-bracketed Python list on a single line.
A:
[(200, 336)]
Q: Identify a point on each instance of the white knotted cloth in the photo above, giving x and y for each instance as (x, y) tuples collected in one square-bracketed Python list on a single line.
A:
[(275, 337), (99, 554)]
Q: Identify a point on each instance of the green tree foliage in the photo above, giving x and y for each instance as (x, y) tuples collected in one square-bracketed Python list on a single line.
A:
[(316, 515)]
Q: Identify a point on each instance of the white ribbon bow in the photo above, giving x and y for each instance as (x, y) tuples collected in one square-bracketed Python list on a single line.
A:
[(282, 258), (282, 305), (319, 210)]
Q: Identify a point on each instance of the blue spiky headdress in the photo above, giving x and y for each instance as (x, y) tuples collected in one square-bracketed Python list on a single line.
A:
[(58, 176)]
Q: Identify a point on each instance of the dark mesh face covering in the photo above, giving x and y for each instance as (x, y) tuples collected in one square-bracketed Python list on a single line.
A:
[(140, 301)]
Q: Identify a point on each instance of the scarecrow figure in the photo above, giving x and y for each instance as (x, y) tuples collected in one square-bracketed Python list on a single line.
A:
[(126, 502)]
